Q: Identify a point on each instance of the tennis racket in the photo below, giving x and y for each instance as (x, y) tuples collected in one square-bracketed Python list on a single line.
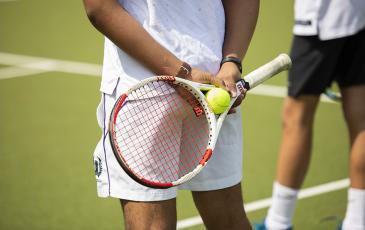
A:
[(162, 130)]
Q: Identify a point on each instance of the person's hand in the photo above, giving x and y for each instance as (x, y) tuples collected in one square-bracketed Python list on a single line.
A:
[(201, 76), (194, 74), (229, 74)]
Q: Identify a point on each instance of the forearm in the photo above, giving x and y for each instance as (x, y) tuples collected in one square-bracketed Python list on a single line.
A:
[(241, 18), (115, 23)]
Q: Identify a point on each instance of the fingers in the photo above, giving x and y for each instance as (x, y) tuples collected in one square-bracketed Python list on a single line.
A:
[(232, 110), (231, 87), (227, 83), (229, 73), (237, 102), (207, 78), (217, 82)]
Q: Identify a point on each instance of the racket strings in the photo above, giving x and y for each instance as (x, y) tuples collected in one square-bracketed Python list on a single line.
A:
[(157, 147), (191, 144), (159, 143), (158, 135)]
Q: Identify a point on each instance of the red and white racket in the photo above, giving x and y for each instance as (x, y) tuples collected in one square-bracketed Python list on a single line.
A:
[(162, 130)]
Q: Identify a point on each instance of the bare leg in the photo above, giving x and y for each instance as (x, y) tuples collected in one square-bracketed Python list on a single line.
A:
[(222, 209), (354, 112), (296, 144), (157, 215), (295, 151)]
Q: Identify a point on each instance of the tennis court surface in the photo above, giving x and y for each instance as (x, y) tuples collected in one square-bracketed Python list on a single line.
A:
[(50, 62)]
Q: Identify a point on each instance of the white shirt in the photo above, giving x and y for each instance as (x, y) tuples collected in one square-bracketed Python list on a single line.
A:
[(329, 19), (192, 30)]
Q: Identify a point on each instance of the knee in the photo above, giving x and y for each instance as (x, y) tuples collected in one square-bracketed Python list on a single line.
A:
[(357, 160), (297, 115), (356, 123), (357, 157)]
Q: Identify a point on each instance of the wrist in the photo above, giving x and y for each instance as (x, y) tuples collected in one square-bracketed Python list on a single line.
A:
[(235, 60)]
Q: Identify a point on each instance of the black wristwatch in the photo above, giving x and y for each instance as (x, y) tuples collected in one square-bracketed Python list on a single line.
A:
[(235, 60)]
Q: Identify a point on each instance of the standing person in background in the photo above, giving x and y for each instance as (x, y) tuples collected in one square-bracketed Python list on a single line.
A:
[(190, 39), (329, 45)]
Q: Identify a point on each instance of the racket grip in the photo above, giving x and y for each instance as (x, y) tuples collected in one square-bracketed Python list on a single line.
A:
[(241, 85), (263, 73)]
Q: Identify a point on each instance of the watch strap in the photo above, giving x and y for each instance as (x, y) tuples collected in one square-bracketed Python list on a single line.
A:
[(235, 60)]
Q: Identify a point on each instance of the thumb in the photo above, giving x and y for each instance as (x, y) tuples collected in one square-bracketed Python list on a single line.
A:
[(231, 86)]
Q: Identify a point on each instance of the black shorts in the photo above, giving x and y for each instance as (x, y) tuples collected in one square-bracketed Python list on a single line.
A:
[(316, 63)]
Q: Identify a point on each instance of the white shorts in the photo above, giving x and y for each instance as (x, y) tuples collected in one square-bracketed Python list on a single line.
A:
[(223, 170)]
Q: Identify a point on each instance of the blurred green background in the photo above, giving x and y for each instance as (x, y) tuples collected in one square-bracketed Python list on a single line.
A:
[(48, 127)]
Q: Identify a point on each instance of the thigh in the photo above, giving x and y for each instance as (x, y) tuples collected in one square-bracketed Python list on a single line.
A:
[(156, 215), (222, 209), (300, 110), (354, 109)]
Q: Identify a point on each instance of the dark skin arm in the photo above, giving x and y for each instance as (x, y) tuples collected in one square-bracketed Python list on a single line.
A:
[(112, 20), (241, 18)]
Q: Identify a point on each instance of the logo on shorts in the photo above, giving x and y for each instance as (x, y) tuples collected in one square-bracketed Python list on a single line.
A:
[(97, 167), (303, 22)]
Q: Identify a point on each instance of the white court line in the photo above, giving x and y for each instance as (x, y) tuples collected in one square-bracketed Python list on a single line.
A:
[(26, 69), (46, 64), (37, 65), (17, 59), (265, 203), (279, 91), (13, 72)]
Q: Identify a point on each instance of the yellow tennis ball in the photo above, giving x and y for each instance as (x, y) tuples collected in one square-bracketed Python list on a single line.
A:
[(218, 100)]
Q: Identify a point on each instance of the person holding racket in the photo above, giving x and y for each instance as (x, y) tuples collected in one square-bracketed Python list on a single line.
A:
[(329, 45), (203, 41)]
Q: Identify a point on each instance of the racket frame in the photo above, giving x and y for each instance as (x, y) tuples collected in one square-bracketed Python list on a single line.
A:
[(196, 90), (215, 122)]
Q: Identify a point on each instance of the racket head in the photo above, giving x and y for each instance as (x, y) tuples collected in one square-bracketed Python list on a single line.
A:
[(161, 131)]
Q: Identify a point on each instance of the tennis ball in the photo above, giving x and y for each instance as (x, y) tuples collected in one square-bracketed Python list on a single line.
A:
[(218, 100)]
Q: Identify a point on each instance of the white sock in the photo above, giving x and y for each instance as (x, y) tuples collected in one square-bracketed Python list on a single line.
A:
[(355, 213), (282, 207)]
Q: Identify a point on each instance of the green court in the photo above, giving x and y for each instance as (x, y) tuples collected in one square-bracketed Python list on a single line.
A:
[(50, 62)]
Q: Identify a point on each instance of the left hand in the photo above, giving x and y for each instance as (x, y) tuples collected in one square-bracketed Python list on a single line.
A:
[(230, 74)]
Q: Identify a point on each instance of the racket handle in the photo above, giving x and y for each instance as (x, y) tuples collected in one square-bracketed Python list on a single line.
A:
[(261, 74)]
